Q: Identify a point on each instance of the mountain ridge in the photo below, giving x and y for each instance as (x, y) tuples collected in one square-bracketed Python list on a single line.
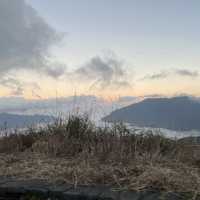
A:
[(177, 113)]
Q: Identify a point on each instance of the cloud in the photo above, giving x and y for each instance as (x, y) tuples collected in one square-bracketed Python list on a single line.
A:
[(56, 70), (103, 73), (156, 76), (16, 86), (166, 74), (188, 73), (153, 96), (25, 37), (19, 91)]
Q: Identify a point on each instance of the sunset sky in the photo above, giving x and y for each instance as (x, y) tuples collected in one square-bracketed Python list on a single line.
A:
[(107, 48)]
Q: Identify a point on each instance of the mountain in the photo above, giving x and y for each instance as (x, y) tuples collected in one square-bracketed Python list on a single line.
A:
[(178, 113), (21, 121)]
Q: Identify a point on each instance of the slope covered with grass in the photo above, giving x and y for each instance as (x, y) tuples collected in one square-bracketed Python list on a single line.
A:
[(78, 152)]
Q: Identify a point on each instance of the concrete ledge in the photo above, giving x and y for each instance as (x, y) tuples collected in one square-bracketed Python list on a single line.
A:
[(11, 189)]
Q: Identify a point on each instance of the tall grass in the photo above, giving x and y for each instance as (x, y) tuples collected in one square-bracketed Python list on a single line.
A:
[(85, 154)]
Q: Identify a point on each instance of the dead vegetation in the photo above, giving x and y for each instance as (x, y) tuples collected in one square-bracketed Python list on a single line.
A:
[(77, 152)]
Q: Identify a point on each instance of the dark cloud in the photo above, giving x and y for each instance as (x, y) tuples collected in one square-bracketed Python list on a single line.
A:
[(165, 74), (56, 70), (103, 72), (185, 72), (25, 37), (156, 76)]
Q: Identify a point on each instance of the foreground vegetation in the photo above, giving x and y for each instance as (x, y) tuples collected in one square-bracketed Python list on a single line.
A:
[(77, 152)]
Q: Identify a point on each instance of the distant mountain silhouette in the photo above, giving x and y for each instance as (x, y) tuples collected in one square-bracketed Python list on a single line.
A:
[(21, 121), (179, 113)]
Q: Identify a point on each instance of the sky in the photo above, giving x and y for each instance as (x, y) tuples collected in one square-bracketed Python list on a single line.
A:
[(108, 48)]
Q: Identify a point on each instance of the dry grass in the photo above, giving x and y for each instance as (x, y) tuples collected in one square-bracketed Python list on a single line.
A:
[(77, 152)]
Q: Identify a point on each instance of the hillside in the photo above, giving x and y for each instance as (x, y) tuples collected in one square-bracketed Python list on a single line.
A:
[(179, 113), (78, 153)]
